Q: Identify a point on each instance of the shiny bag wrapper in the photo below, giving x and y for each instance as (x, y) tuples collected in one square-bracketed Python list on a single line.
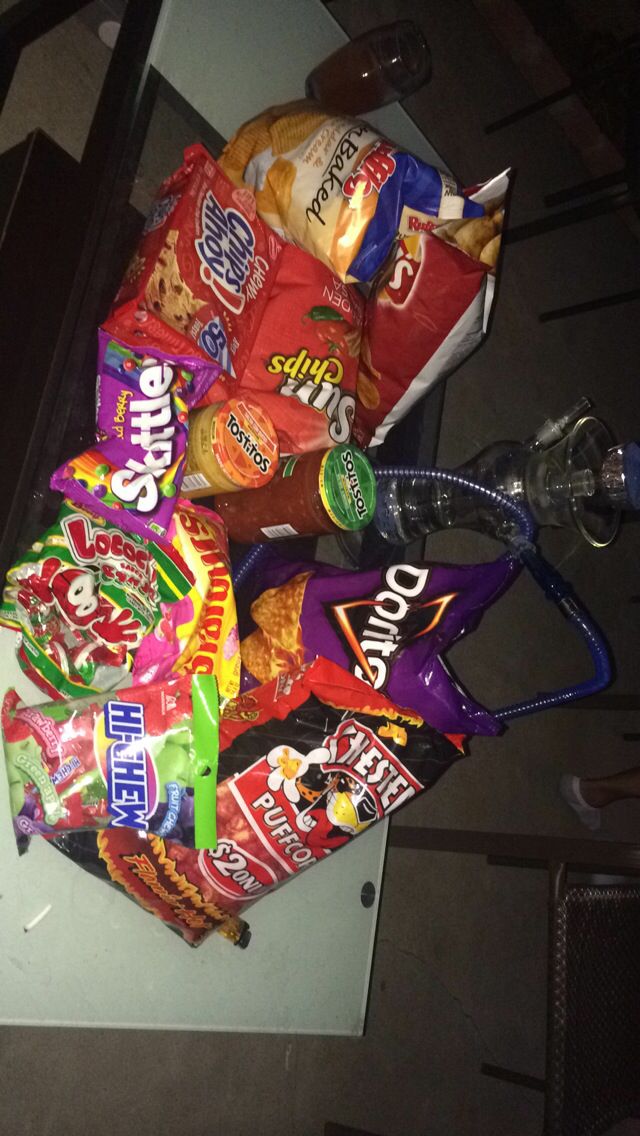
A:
[(133, 473), (142, 758), (388, 626), (307, 763)]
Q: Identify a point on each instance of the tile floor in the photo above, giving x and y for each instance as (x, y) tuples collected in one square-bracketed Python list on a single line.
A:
[(459, 974)]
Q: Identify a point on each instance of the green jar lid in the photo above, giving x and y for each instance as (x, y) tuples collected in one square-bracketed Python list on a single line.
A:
[(348, 487)]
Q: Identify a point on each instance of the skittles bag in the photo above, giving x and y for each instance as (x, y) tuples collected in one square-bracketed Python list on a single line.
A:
[(133, 473)]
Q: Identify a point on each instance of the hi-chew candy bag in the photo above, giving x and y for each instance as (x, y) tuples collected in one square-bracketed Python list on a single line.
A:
[(82, 598), (143, 758), (132, 475), (198, 633), (388, 626), (335, 187)]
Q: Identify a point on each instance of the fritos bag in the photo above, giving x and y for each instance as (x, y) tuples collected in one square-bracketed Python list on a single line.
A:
[(199, 633), (204, 268), (428, 311), (306, 763), (83, 598), (388, 626), (335, 187)]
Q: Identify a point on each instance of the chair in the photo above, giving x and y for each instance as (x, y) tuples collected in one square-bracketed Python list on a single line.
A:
[(598, 196), (592, 1074)]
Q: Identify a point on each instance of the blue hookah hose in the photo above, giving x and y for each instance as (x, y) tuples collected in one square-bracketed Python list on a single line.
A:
[(248, 564), (559, 591), (548, 578)]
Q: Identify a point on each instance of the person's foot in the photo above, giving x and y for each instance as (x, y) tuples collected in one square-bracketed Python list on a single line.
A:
[(570, 790)]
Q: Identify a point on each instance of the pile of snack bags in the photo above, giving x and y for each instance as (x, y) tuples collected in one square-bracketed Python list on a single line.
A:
[(332, 278)]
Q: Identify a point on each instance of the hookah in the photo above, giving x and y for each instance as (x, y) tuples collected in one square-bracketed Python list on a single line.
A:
[(569, 474)]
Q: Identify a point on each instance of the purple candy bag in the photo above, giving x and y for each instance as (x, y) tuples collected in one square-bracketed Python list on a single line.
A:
[(390, 626), (132, 475)]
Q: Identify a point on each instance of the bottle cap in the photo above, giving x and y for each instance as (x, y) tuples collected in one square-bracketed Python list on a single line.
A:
[(348, 487)]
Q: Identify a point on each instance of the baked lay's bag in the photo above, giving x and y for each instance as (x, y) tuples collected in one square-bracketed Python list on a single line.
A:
[(198, 633), (428, 310), (203, 269), (303, 366), (335, 187), (306, 764), (82, 599), (388, 626)]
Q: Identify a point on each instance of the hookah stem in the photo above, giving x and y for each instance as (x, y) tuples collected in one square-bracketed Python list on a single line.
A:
[(546, 576)]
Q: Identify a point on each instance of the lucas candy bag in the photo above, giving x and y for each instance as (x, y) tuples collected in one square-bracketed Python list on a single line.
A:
[(388, 626), (198, 633), (132, 475), (83, 597), (144, 758)]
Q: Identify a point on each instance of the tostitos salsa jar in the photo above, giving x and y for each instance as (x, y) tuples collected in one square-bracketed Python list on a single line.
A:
[(326, 491), (232, 446)]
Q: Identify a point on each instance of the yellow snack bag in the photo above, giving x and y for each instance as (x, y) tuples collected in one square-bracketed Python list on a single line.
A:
[(335, 187), (199, 633)]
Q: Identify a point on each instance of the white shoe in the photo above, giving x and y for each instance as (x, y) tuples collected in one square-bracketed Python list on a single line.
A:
[(570, 790)]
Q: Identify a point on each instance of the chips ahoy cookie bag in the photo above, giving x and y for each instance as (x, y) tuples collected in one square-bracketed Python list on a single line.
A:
[(132, 475), (204, 268)]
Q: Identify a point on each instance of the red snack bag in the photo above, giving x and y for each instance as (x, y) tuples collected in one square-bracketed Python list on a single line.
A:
[(428, 311), (307, 762), (204, 267), (153, 874), (304, 362)]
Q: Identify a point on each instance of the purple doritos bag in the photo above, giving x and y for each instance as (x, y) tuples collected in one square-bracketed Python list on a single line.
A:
[(132, 475), (388, 626)]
